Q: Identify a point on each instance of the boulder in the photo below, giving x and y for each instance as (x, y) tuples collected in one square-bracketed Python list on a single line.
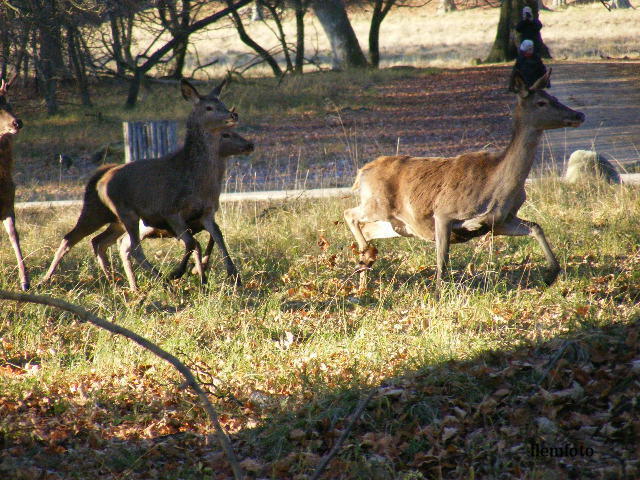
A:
[(585, 165)]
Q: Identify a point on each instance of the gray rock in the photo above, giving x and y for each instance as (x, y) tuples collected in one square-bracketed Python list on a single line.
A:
[(585, 165)]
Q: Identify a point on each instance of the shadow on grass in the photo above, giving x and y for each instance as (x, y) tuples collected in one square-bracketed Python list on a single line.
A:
[(489, 417), (562, 408)]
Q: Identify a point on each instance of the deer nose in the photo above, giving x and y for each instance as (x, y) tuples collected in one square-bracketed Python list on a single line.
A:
[(250, 147), (580, 117), (234, 116), (17, 124)]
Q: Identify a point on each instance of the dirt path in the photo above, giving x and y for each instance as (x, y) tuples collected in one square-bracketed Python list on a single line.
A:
[(609, 95), (446, 113)]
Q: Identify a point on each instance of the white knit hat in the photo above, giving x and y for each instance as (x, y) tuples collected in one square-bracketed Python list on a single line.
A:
[(526, 46)]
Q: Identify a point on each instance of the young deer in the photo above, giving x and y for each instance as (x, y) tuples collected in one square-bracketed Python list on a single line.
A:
[(175, 193), (9, 128), (95, 212), (452, 200)]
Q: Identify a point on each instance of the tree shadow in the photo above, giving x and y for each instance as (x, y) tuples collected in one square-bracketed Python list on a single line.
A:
[(560, 408)]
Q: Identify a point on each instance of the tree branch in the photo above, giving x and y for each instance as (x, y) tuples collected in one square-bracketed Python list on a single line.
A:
[(86, 316), (345, 433)]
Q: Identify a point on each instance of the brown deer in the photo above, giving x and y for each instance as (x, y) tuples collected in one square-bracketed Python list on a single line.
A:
[(94, 212), (10, 125), (170, 193), (452, 200)]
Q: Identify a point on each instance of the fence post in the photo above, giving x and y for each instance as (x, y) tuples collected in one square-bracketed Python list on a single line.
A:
[(149, 139)]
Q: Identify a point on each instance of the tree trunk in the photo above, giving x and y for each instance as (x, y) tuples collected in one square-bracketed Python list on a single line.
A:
[(45, 65), (134, 88), (250, 42), (117, 45), (505, 47), (273, 10), (346, 50), (257, 12), (180, 55), (78, 67), (446, 6), (301, 10), (620, 4)]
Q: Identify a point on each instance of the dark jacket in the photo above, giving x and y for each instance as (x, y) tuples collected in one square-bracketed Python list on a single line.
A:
[(530, 30), (531, 68)]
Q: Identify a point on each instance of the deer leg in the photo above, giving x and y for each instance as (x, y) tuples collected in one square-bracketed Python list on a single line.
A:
[(85, 226), (352, 217), (216, 235), (102, 242), (178, 271), (191, 245), (133, 248), (124, 248), (443, 235), (9, 225), (207, 253), (206, 256), (516, 227)]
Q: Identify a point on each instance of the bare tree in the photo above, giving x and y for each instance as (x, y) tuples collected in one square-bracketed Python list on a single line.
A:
[(346, 50), (505, 44), (380, 10)]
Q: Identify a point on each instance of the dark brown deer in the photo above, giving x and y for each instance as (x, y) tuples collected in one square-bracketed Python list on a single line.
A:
[(10, 125), (452, 200), (170, 193), (94, 212)]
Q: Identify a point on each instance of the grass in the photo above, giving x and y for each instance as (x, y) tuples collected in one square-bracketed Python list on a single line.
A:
[(292, 348)]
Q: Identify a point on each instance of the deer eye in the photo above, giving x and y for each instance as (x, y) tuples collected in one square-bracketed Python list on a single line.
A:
[(541, 103), (226, 135), (209, 108)]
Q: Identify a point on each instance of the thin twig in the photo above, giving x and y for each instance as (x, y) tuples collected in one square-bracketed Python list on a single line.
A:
[(86, 316), (354, 418)]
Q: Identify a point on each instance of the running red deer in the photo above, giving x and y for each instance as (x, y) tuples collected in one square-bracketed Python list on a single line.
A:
[(176, 193), (452, 200), (95, 212), (10, 125)]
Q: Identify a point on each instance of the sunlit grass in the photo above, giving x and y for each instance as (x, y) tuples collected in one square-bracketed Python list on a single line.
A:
[(299, 311)]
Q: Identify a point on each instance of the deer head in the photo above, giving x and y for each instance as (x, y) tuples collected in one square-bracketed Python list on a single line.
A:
[(9, 123), (208, 111), (233, 143), (541, 111)]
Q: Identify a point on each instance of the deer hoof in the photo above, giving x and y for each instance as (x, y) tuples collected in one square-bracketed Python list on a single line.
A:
[(235, 279), (175, 274), (25, 286)]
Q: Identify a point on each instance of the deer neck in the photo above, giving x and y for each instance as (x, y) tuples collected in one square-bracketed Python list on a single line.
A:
[(201, 147), (518, 157), (6, 157)]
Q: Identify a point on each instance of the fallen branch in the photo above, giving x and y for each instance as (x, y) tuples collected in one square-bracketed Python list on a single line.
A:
[(354, 418), (86, 316)]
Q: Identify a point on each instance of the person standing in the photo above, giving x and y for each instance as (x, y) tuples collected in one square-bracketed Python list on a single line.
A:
[(529, 29), (528, 64)]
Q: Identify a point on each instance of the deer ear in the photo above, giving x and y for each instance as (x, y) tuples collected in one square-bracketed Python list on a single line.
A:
[(542, 82), (217, 90), (519, 85), (189, 92)]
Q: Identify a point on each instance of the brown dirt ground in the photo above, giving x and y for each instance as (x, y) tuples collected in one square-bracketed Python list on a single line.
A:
[(443, 114)]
